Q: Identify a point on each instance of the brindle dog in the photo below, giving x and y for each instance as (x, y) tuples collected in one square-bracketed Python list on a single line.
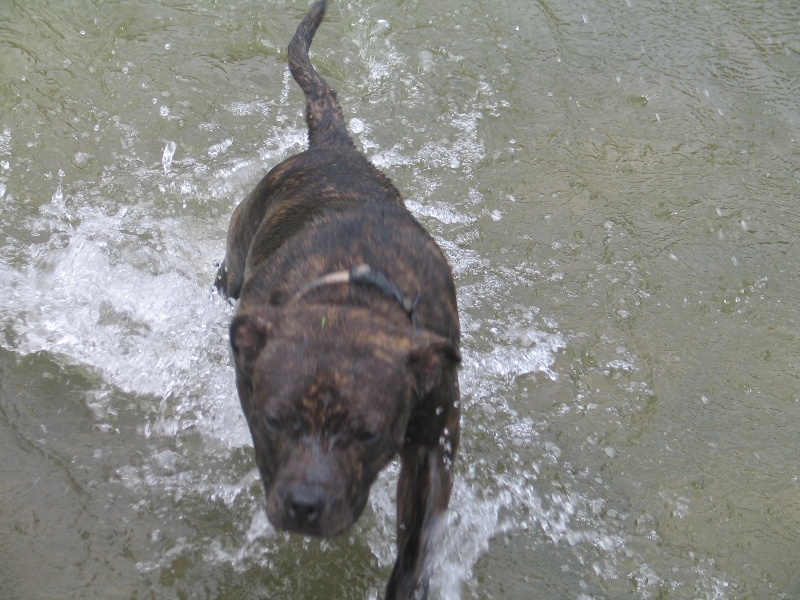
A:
[(345, 338)]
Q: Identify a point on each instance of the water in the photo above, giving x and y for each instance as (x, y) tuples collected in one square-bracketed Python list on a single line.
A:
[(616, 186)]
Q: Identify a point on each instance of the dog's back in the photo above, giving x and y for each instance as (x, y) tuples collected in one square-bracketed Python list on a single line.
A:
[(331, 174), (335, 193)]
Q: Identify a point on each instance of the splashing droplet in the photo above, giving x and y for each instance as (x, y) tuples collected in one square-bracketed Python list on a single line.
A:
[(166, 158)]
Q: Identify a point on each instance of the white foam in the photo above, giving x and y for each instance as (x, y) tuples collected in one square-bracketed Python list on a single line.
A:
[(139, 315)]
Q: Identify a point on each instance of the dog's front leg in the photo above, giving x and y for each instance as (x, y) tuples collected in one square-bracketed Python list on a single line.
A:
[(423, 493)]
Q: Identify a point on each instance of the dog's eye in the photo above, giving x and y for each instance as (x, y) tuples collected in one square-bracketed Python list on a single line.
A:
[(367, 436), (273, 424)]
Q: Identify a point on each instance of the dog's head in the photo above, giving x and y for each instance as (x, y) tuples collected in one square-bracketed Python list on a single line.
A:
[(327, 393)]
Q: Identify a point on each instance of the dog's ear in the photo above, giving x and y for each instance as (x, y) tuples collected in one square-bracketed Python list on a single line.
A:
[(248, 335), (429, 358)]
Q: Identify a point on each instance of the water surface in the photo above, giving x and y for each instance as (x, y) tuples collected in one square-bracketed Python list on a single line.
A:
[(616, 186)]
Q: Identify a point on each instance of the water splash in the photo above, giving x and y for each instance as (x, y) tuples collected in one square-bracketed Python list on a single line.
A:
[(166, 157), (5, 142)]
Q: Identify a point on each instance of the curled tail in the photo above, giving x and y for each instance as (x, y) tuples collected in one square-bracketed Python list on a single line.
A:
[(323, 112)]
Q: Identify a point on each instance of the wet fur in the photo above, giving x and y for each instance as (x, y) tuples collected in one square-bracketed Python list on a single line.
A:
[(337, 380)]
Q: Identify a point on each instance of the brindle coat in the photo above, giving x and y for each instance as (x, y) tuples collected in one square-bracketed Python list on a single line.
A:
[(345, 338)]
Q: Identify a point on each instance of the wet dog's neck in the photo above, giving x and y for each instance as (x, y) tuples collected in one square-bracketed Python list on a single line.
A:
[(365, 275)]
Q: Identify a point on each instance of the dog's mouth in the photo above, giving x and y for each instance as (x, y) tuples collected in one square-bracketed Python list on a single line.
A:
[(310, 510)]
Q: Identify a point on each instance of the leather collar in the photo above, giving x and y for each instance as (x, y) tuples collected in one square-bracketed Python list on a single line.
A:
[(363, 274)]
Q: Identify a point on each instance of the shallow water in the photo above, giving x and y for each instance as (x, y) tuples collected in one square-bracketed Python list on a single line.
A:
[(616, 186)]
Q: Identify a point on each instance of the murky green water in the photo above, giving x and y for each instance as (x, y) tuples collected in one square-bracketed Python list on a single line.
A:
[(618, 187)]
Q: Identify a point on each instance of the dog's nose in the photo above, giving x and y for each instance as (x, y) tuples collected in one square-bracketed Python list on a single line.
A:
[(304, 505)]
